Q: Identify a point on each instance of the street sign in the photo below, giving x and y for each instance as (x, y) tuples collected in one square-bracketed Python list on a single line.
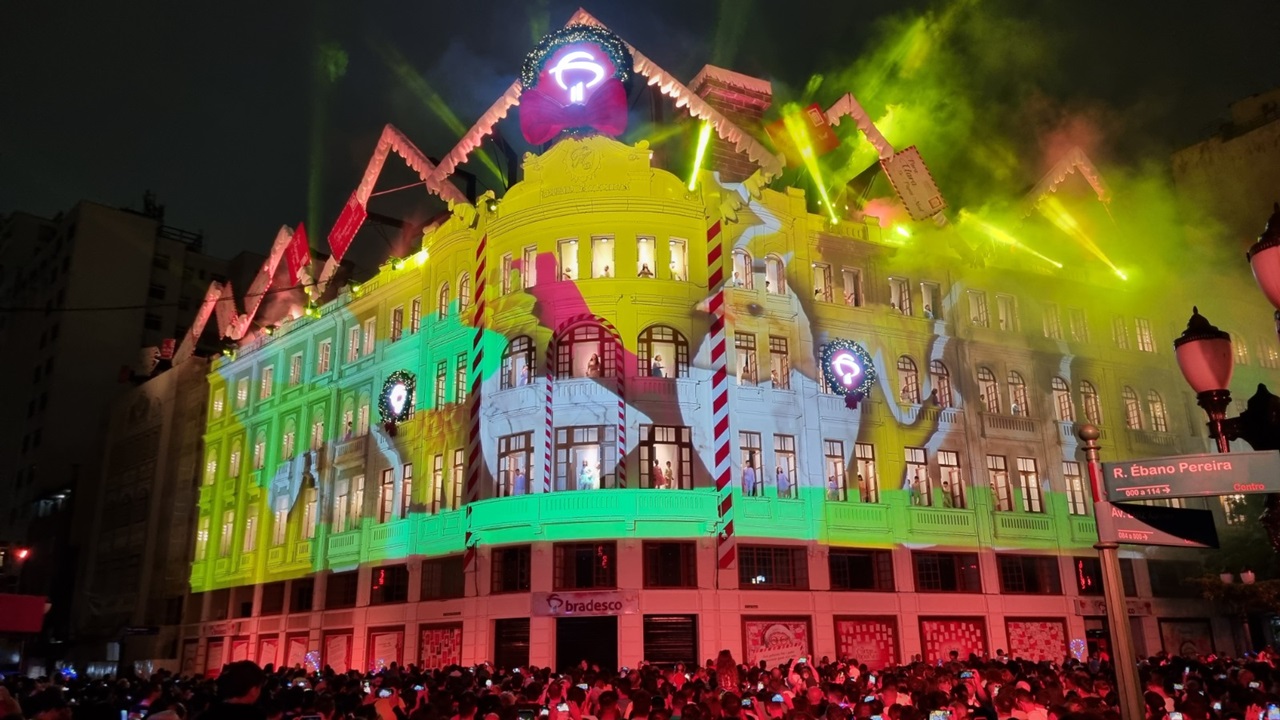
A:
[(1155, 525), (1193, 476)]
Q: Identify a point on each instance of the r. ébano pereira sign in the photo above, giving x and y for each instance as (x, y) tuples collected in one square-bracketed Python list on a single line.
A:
[(576, 604), (1193, 476)]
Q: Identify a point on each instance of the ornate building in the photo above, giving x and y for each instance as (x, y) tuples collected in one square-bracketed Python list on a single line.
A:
[(588, 419)]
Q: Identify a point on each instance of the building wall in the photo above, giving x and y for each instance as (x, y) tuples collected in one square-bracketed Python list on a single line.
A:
[(594, 189)]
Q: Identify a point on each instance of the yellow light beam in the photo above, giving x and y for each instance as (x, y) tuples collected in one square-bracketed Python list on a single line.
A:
[(1003, 237), (1053, 210), (704, 139), (799, 133)]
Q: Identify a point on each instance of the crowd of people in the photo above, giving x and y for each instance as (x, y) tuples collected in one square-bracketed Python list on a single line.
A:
[(1000, 688)]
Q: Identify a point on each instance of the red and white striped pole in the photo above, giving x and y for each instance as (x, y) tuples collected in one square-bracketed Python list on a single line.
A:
[(727, 543), (475, 446)]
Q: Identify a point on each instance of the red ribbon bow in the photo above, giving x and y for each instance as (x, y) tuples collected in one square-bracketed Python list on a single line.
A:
[(542, 118)]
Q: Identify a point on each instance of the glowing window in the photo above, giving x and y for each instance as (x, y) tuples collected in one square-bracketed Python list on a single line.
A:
[(1019, 403), (749, 449), (415, 315), (833, 469), (370, 335), (585, 351), (1062, 400), (666, 457), (1052, 322), (1155, 404), (406, 490), (931, 298), (202, 538), (442, 301), (953, 486), (678, 265), (822, 282), (784, 472), (998, 479), (219, 402), (529, 266), (464, 292), (602, 262), (779, 363), (1145, 341), (864, 455), (517, 363), (775, 275), (917, 478), (567, 259), (397, 322), (940, 380), (743, 271), (1132, 411), (662, 352), (324, 356), (645, 257), (1091, 402), (988, 390), (515, 464), (900, 295), (1007, 312), (1078, 500), (852, 286), (295, 369), (1029, 485), (908, 381), (1120, 332), (978, 314), (507, 264), (744, 344)]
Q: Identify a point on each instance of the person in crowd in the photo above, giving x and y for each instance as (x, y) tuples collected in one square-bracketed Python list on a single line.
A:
[(239, 689)]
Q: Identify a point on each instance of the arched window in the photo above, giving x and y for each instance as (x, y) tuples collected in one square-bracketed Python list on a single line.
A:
[(317, 427), (517, 362), (988, 390), (775, 275), (259, 450), (1062, 400), (1132, 411), (940, 379), (663, 352), (464, 292), (348, 418), (289, 440), (237, 455), (908, 380), (442, 303), (362, 415), (743, 273), (1155, 404), (1018, 404), (585, 351), (1092, 404)]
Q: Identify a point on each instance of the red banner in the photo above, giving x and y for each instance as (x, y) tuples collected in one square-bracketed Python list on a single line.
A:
[(298, 254), (821, 136), (21, 613), (345, 229)]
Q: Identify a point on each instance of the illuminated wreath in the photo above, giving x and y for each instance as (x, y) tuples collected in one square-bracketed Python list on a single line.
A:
[(392, 406), (611, 44), (846, 383)]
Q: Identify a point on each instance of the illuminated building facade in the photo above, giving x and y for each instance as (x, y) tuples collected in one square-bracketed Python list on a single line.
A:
[(507, 446)]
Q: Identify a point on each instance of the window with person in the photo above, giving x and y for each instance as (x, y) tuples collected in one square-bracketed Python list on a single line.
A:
[(988, 390), (397, 322), (517, 362), (779, 363), (836, 482), (908, 381), (678, 264), (1029, 485), (917, 476), (666, 457), (775, 275), (1155, 408), (646, 257), (567, 259), (386, 495), (602, 261), (744, 345), (867, 479), (978, 314), (743, 271), (585, 457), (900, 295), (353, 343), (751, 457), (940, 380), (515, 463), (784, 473), (585, 351), (1091, 402), (662, 352), (1018, 399), (822, 282), (931, 300), (952, 479), (852, 287), (1132, 409), (998, 480), (1062, 403), (442, 301)]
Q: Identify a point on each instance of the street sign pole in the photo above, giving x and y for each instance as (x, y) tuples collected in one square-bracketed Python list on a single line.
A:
[(1123, 656)]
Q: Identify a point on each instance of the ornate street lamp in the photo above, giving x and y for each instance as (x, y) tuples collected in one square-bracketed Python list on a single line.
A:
[(1206, 361), (1264, 258)]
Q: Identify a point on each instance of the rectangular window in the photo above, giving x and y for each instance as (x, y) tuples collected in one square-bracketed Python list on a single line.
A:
[(867, 479), (1029, 574), (1120, 332), (602, 265), (341, 504), (585, 456), (749, 447), (998, 478), (260, 452), (507, 263), (852, 278), (763, 567), (251, 528), (397, 322), (1088, 575), (822, 282), (415, 315), (386, 495), (1052, 322), (317, 428), (460, 379), (443, 578), (219, 402), (309, 513), (679, 263), (918, 476), (931, 300), (510, 569), (581, 566), (340, 590), (357, 500), (389, 585), (288, 441), (671, 639), (442, 378), (302, 595), (515, 461), (272, 598), (202, 538), (978, 314), (900, 295), (953, 485), (1029, 485), (456, 491), (211, 467), (666, 457), (1234, 509), (1079, 326), (853, 569), (295, 370), (567, 259), (779, 363), (784, 457), (670, 565), (1077, 498), (1007, 312), (833, 468), (645, 257), (529, 266), (406, 490), (267, 383), (370, 335), (437, 484), (1145, 342), (362, 418), (323, 356), (744, 344), (280, 522), (353, 344), (947, 572)]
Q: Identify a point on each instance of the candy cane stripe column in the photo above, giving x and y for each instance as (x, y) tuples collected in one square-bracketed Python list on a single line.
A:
[(727, 544), (475, 447)]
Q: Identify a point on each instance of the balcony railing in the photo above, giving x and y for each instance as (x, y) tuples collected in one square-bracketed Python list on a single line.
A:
[(1027, 526), (941, 521), (352, 451), (1007, 425)]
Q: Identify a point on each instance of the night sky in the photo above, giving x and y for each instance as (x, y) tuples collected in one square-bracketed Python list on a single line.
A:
[(218, 107)]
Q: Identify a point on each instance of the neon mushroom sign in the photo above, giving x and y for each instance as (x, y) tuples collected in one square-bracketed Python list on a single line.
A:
[(848, 370), (574, 82)]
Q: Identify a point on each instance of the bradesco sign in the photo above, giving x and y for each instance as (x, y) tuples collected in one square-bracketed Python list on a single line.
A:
[(569, 604), (1193, 476)]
